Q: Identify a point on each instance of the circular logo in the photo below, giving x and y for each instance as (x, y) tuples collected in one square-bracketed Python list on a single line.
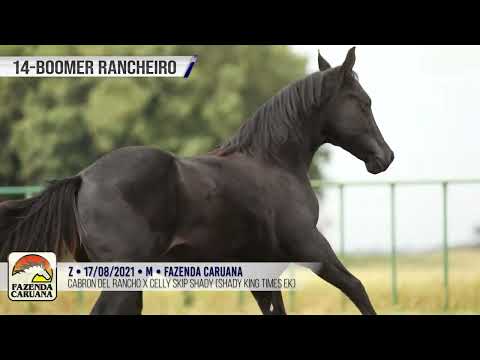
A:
[(34, 267)]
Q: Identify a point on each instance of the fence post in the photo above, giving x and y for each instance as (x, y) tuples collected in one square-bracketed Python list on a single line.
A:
[(80, 297), (445, 245), (292, 293), (342, 220), (393, 238), (188, 298), (30, 306), (341, 188), (241, 300)]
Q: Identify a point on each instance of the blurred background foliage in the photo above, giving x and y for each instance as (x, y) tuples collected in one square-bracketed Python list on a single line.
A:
[(54, 127)]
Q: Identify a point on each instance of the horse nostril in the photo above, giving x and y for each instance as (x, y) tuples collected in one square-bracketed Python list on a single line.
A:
[(392, 156)]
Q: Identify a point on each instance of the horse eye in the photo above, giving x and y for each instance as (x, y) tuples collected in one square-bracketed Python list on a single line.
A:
[(364, 107)]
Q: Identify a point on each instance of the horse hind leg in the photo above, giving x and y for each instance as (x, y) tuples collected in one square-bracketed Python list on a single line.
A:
[(118, 303), (116, 233)]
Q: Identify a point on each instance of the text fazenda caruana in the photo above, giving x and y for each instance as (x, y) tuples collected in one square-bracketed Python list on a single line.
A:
[(206, 271)]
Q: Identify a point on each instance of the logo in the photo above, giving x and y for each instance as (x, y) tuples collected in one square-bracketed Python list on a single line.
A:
[(32, 276)]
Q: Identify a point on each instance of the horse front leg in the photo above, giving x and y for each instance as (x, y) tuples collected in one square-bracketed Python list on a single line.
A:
[(270, 302), (314, 248)]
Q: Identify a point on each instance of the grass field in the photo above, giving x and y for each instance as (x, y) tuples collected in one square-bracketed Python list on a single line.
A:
[(420, 291)]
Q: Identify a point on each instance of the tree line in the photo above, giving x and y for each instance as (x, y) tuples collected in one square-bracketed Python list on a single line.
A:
[(54, 127)]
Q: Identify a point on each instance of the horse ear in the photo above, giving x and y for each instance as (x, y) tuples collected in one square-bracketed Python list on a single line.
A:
[(322, 63), (347, 65)]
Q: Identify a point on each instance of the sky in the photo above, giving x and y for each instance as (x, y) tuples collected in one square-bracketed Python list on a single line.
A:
[(425, 101)]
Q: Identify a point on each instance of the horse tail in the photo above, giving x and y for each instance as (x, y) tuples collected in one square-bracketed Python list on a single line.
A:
[(46, 222)]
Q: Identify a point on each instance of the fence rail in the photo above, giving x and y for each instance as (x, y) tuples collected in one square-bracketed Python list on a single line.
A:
[(390, 186)]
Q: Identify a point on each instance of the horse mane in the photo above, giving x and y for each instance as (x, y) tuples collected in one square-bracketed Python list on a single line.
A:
[(29, 265), (277, 121)]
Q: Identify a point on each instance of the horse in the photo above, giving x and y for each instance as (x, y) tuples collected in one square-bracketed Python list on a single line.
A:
[(30, 272), (248, 200)]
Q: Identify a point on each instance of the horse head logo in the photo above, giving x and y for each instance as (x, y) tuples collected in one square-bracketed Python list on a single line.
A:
[(33, 269)]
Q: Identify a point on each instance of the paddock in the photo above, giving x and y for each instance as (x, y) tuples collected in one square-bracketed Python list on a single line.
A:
[(445, 280)]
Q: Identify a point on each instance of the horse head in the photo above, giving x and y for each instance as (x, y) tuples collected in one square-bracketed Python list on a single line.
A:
[(350, 123)]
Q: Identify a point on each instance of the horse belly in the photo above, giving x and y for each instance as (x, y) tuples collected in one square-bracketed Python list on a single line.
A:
[(217, 232), (221, 214)]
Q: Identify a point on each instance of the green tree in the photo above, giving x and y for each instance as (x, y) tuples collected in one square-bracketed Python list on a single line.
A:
[(54, 127)]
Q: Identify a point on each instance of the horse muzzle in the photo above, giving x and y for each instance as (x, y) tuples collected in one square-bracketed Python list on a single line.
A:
[(377, 164)]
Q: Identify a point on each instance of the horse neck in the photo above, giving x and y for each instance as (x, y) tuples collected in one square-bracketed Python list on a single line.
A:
[(36, 269), (298, 156), (283, 132), (298, 151)]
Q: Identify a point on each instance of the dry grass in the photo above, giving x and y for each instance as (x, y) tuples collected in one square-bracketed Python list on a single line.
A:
[(420, 291)]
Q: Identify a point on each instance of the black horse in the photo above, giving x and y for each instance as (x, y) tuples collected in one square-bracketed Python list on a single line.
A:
[(249, 200)]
